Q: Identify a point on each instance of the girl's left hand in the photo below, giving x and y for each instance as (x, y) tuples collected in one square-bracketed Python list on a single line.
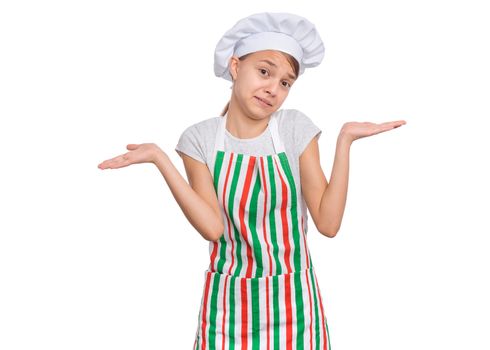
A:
[(356, 130)]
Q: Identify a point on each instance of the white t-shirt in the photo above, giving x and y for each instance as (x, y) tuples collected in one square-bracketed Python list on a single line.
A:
[(296, 130)]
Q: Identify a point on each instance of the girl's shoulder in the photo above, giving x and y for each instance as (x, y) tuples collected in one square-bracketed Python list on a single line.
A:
[(205, 124), (197, 139), (293, 118), (203, 130), (297, 129)]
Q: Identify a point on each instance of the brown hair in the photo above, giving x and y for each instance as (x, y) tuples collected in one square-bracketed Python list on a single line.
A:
[(292, 61)]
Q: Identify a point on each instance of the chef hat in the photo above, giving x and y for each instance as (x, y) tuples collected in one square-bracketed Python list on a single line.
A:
[(285, 32)]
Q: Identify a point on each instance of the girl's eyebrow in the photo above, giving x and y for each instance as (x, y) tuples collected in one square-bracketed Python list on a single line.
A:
[(274, 65)]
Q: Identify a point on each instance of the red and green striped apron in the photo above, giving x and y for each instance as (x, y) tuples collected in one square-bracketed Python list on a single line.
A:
[(260, 290)]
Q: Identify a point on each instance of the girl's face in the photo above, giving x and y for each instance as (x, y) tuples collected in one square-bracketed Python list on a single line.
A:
[(261, 82)]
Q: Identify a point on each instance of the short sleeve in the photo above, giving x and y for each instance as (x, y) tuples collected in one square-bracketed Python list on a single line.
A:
[(304, 131), (191, 144)]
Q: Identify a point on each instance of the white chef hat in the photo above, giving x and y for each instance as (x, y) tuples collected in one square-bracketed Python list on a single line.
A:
[(285, 32)]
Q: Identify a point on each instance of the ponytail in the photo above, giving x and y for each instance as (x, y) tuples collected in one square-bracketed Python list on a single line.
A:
[(225, 109)]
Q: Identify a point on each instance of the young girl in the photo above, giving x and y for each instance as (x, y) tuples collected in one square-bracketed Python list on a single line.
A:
[(253, 172)]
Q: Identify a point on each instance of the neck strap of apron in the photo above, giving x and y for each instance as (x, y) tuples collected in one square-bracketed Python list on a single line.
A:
[(272, 127)]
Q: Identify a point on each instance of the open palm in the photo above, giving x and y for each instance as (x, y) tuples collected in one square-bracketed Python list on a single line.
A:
[(357, 130), (139, 153)]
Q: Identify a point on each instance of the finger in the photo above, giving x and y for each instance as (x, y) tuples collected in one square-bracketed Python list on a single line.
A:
[(391, 125), (106, 163), (398, 122), (387, 124), (118, 162), (122, 161), (382, 128)]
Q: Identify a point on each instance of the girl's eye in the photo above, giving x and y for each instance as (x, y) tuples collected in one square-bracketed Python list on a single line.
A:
[(287, 84), (263, 70)]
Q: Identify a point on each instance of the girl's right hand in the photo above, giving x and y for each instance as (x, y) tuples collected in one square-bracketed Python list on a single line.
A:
[(142, 153)]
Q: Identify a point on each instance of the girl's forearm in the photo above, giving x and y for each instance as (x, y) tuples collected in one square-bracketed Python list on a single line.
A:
[(334, 197), (201, 216)]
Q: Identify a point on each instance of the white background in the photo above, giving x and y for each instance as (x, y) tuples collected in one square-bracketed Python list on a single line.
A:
[(105, 259)]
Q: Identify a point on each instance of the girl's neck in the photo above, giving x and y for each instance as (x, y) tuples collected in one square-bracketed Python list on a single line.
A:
[(242, 126)]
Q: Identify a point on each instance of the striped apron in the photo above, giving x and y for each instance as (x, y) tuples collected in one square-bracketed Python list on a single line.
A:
[(260, 290)]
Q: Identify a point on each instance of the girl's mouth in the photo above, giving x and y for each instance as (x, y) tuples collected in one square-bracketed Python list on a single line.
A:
[(263, 102)]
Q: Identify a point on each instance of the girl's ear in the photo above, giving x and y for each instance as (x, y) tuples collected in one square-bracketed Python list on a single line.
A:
[(233, 67)]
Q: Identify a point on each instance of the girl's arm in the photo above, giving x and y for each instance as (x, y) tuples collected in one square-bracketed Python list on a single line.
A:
[(199, 202), (326, 201)]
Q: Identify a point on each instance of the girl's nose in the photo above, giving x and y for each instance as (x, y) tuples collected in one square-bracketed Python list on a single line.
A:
[(272, 89)]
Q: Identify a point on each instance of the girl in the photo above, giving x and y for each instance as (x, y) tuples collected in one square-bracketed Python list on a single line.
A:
[(253, 172)]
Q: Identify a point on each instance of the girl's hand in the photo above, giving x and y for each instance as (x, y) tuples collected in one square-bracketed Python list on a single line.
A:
[(142, 153), (355, 130)]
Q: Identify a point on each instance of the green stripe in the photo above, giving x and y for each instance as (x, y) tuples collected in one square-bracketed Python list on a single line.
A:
[(317, 325), (222, 254), (309, 258), (252, 219), (328, 335), (238, 255), (238, 240), (325, 323), (294, 211), (232, 313), (217, 172), (272, 216), (213, 310), (277, 324), (300, 311), (217, 168), (255, 314), (198, 338)]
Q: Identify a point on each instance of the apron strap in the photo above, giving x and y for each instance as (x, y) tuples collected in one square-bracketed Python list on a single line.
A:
[(272, 127)]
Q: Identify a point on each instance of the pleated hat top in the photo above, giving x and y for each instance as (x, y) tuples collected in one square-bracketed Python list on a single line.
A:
[(280, 31)]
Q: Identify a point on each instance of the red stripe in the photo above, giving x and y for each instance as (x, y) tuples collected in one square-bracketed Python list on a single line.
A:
[(287, 252), (268, 312), (304, 240), (284, 218), (225, 208), (311, 312), (289, 313), (244, 313), (224, 314), (308, 284), (204, 311), (264, 182), (213, 256), (323, 316), (243, 226)]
